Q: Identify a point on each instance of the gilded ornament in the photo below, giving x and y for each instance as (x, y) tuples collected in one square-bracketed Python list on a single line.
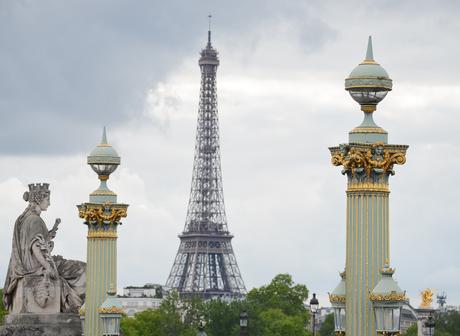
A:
[(368, 161), (427, 298), (102, 213), (368, 186), (337, 298), (81, 311), (368, 130), (102, 234), (393, 296), (111, 310)]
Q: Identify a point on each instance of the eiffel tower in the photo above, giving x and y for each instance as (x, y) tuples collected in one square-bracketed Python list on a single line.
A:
[(205, 264)]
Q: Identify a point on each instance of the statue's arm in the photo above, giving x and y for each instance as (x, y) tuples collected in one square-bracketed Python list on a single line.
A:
[(41, 253)]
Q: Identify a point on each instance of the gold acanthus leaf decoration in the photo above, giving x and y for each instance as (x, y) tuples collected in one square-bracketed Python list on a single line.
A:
[(110, 310), (367, 158), (102, 213), (393, 296), (337, 298)]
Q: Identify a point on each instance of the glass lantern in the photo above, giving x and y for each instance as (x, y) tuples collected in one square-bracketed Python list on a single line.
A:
[(111, 324), (387, 318), (314, 304), (368, 96), (339, 318), (82, 321), (244, 319), (110, 313)]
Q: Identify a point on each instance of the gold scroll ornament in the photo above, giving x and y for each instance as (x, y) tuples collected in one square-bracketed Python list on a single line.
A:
[(368, 158), (102, 213)]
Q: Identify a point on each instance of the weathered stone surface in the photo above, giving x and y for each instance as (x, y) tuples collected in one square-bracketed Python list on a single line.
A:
[(35, 293), (61, 324), (37, 281)]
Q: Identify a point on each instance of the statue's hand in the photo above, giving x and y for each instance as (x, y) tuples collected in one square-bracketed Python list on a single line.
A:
[(53, 231)]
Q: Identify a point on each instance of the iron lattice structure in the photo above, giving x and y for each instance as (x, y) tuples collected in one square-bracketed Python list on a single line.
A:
[(205, 264)]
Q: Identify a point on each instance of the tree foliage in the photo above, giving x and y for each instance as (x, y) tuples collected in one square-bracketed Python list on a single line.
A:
[(448, 324), (328, 327), (276, 309), (412, 330), (3, 311)]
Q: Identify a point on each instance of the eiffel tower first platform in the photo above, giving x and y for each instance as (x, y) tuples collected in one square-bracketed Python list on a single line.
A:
[(205, 264)]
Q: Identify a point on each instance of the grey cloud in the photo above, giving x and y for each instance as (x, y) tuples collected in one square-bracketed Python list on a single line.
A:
[(67, 68)]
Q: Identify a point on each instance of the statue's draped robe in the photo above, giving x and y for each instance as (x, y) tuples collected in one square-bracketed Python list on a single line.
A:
[(28, 230)]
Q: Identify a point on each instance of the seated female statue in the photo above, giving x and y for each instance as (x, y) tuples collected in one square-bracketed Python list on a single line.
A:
[(52, 278)]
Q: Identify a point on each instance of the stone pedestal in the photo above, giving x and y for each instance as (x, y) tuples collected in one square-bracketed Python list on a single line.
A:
[(35, 294), (41, 325)]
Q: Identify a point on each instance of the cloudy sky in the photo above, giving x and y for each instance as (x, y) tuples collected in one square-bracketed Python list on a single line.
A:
[(67, 68)]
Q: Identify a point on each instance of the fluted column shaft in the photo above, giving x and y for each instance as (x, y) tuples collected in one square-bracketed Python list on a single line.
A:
[(368, 167)]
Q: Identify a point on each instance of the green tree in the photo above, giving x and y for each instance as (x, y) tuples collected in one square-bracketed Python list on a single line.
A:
[(277, 323), (3, 311), (328, 327), (412, 330), (276, 309), (448, 324), (165, 321), (282, 294), (278, 305)]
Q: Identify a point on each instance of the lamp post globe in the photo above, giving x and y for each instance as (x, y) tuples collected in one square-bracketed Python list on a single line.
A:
[(369, 82)]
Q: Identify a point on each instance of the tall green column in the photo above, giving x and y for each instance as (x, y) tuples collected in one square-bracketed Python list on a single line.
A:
[(367, 161), (102, 215)]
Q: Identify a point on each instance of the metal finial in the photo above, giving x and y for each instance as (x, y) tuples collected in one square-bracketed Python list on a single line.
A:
[(209, 28), (369, 52), (104, 137)]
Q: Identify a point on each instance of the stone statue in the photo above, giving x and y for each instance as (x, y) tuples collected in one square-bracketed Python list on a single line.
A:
[(36, 281)]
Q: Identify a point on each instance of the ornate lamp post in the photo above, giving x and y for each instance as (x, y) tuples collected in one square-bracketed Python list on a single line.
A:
[(387, 299), (244, 323), (367, 160), (429, 325), (314, 305), (110, 313), (102, 215), (338, 299)]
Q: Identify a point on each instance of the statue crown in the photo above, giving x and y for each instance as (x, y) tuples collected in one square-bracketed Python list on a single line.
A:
[(37, 192), (39, 188)]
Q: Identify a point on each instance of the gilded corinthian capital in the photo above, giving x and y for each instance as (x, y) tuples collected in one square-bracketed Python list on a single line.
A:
[(369, 164)]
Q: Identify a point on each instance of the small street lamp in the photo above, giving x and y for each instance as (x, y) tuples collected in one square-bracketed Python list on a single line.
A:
[(429, 325), (387, 300), (244, 323), (314, 305), (338, 301), (110, 313)]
